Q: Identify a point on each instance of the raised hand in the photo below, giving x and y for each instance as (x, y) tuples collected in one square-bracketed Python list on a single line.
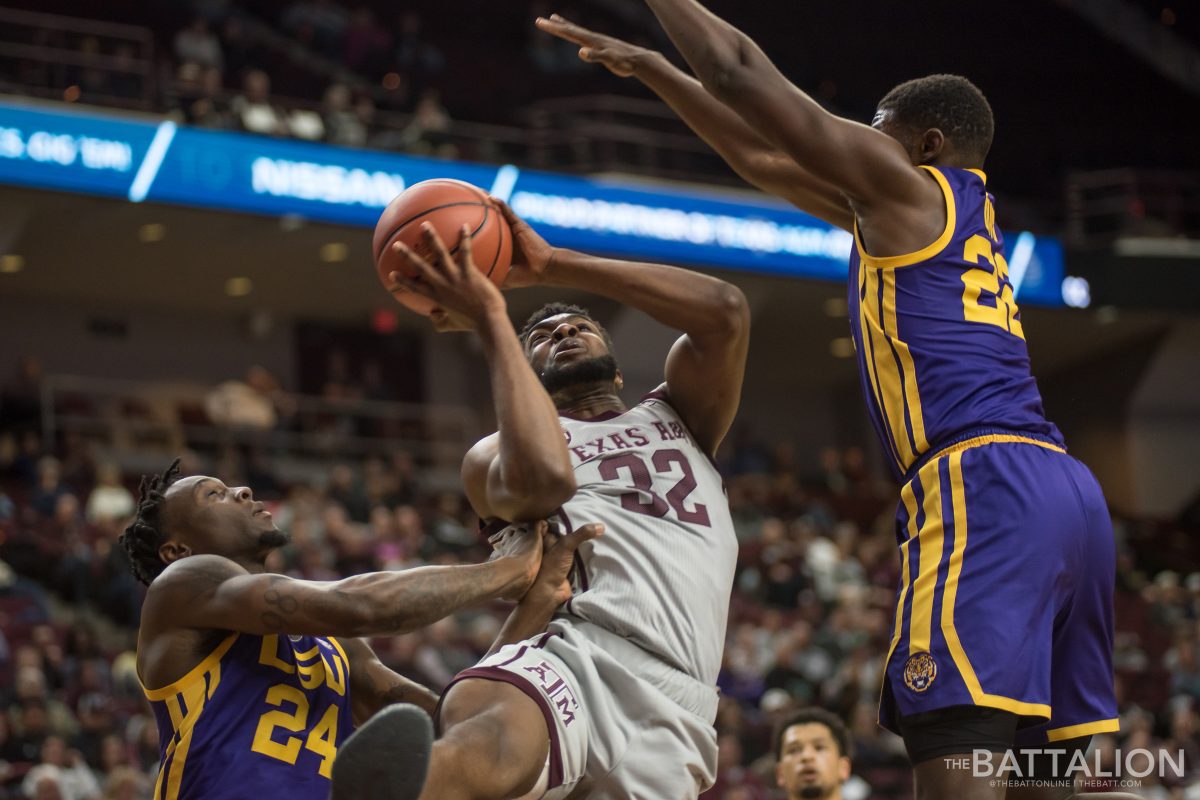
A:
[(620, 57), (464, 295), (532, 255)]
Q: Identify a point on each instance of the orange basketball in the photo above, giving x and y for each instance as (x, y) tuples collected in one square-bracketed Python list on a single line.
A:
[(448, 205)]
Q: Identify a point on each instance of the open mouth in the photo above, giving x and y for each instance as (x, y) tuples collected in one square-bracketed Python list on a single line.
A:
[(569, 346)]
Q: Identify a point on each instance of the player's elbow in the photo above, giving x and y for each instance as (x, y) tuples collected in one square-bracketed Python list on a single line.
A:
[(730, 312), (538, 493), (728, 70)]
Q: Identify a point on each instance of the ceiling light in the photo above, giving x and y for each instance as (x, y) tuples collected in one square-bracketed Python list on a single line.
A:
[(842, 347), (334, 252), (239, 287), (152, 232), (10, 263)]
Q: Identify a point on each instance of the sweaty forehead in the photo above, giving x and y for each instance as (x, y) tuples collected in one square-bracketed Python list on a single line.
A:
[(185, 486)]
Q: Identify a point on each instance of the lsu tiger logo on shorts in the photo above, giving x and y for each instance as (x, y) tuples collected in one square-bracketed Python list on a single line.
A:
[(920, 670)]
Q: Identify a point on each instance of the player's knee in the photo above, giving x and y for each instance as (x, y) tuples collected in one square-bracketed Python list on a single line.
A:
[(488, 755)]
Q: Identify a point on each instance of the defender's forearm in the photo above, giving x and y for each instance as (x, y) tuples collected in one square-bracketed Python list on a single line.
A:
[(392, 603), (710, 45), (687, 301)]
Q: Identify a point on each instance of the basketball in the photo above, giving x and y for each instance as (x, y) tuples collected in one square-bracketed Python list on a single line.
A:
[(448, 205)]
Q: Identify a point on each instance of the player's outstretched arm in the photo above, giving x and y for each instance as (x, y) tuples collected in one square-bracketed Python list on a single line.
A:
[(524, 471), (705, 366), (869, 167), (205, 592), (373, 686), (749, 155)]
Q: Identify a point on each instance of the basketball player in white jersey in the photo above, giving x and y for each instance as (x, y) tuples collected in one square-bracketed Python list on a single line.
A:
[(617, 698)]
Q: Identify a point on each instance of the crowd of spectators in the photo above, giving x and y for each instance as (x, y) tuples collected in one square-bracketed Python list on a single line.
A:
[(811, 617), (318, 70)]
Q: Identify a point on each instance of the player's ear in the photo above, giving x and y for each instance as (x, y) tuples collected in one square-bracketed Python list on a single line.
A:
[(844, 768), (620, 381), (779, 775), (933, 141), (172, 551)]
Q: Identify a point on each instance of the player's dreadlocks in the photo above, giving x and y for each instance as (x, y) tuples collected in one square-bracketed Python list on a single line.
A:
[(950, 103), (553, 310), (144, 536)]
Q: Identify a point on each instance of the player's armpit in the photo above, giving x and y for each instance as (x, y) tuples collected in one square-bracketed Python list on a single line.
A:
[(373, 686), (776, 173)]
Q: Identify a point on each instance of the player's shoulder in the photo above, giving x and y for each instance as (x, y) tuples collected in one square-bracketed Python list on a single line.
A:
[(658, 402), (192, 575)]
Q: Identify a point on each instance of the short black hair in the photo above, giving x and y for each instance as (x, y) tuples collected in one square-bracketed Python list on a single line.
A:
[(144, 535), (553, 310), (950, 103), (820, 716)]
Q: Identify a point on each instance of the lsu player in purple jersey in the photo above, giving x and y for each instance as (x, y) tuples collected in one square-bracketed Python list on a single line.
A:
[(256, 679), (1004, 618)]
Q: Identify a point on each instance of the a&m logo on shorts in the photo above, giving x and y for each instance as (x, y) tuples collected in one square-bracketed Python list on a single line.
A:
[(919, 671)]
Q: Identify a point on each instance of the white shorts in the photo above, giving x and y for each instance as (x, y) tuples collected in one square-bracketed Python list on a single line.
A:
[(622, 723)]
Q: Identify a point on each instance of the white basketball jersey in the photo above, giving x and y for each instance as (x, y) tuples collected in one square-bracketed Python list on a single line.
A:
[(662, 573)]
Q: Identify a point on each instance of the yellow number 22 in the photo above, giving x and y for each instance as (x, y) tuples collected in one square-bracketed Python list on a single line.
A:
[(320, 740), (992, 282)]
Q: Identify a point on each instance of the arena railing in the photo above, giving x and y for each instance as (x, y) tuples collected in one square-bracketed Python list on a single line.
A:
[(34, 43), (139, 423)]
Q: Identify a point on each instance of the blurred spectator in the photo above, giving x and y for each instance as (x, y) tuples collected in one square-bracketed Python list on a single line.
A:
[(207, 106), (342, 124), (414, 54), (253, 110), (199, 45), (321, 21), (21, 398), (109, 500), (246, 404), (49, 487), (240, 52), (75, 779), (430, 125), (126, 79), (365, 43), (126, 783)]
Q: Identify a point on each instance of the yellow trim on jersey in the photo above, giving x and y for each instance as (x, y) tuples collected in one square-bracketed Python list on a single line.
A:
[(1083, 729), (994, 438), (887, 376), (910, 505), (925, 253), (980, 173), (950, 594), (912, 394), (185, 707), (930, 538), (196, 673), (865, 324)]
